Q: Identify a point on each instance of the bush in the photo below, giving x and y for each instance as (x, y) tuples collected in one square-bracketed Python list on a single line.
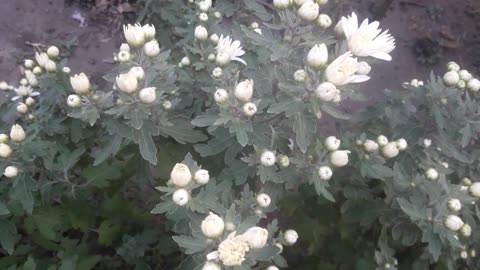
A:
[(223, 160)]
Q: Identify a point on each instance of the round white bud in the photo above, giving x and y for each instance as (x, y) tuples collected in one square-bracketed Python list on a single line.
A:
[(283, 161), (326, 92), (181, 197), (53, 52), (267, 158), (74, 101), (209, 265), (5, 150), (17, 134), (382, 140), (11, 171), (29, 64), (148, 95), (22, 108), (180, 175), (474, 190), (431, 174), (263, 200), (185, 61), (453, 223), (124, 47), (452, 66), (370, 146), (256, 237), (151, 48), (201, 177), (281, 4), (324, 21), (4, 138), (244, 90), (473, 85), (461, 84), (3, 85), (214, 39), (401, 144), (332, 143), (222, 59), (80, 84), (37, 70), (339, 158), (213, 226), (220, 96), (29, 101), (464, 75), (363, 68), (309, 11), (454, 205), (317, 57), (272, 267), (203, 17), (167, 105), (389, 150), (41, 58), (50, 66), (127, 83), (217, 72), (451, 78), (211, 57), (138, 72), (290, 237), (217, 14), (300, 75), (201, 33), (249, 109), (124, 56), (24, 81), (466, 181), (325, 173), (205, 5)]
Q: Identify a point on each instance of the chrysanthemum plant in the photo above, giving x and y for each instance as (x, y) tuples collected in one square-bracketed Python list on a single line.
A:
[(239, 150)]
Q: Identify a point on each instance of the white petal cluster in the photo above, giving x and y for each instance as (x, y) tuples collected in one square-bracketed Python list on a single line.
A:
[(148, 95), (317, 57), (229, 50), (201, 177), (290, 237), (181, 197), (339, 158), (325, 173), (367, 39), (268, 158), (324, 21), (431, 174), (17, 134), (134, 34), (127, 83), (454, 205), (327, 92), (343, 71), (5, 150), (232, 250), (213, 226), (220, 96), (453, 223), (309, 11), (209, 265), (474, 190), (74, 101), (263, 200), (80, 84), (244, 90), (201, 33), (151, 48), (11, 171), (180, 175), (332, 143), (249, 109), (255, 237)]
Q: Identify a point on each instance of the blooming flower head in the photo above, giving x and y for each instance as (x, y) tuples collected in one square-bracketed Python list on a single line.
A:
[(229, 50), (342, 71), (24, 91), (232, 250), (367, 39), (134, 34)]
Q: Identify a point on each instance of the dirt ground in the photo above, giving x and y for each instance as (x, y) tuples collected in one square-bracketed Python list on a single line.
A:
[(436, 31)]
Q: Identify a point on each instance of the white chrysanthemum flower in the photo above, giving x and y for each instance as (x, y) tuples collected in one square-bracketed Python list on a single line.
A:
[(229, 50), (342, 70), (232, 250), (134, 34), (256, 237), (211, 266), (367, 39), (213, 226), (41, 58), (24, 91)]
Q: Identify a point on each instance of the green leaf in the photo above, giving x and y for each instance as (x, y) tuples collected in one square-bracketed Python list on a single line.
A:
[(263, 254), (88, 262), (304, 128), (98, 175), (335, 112), (22, 191), (183, 132), (205, 120), (29, 264), (148, 150), (111, 148), (3, 209), (8, 235), (411, 210), (163, 207), (48, 222), (191, 245), (108, 231)]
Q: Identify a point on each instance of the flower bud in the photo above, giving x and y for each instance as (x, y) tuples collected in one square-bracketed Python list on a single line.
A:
[(29, 101), (473, 85), (167, 105), (317, 57), (17, 134), (11, 171), (325, 173), (464, 75), (339, 158), (299, 3), (201, 177), (5, 150), (427, 143), (74, 101), (211, 57), (370, 146), (217, 72), (326, 92), (134, 34), (37, 70), (454, 205), (22, 108), (268, 158), (249, 109), (309, 11), (148, 31), (127, 83), (452, 66), (363, 68), (451, 78), (80, 84), (148, 95), (281, 4), (463, 255), (332, 143), (263, 200), (3, 85), (300, 75), (338, 30), (50, 66), (256, 237), (290, 237), (124, 47), (4, 138), (382, 140), (53, 52), (321, 2), (205, 5), (209, 265), (272, 267), (214, 39), (151, 48), (466, 181), (181, 197), (401, 144), (389, 150), (461, 84), (324, 21), (283, 161), (431, 174), (222, 59), (203, 17), (28, 64), (180, 175), (220, 96), (185, 61), (201, 33), (453, 223), (229, 226), (41, 58), (124, 56), (474, 190), (213, 226), (244, 90)]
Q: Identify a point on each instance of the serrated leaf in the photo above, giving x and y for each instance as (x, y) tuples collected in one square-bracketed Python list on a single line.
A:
[(8, 235), (22, 191), (191, 245), (111, 148), (304, 128), (147, 147), (183, 133)]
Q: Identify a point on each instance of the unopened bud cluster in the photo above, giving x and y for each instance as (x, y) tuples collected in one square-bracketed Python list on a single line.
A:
[(17, 136), (183, 180), (459, 78)]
